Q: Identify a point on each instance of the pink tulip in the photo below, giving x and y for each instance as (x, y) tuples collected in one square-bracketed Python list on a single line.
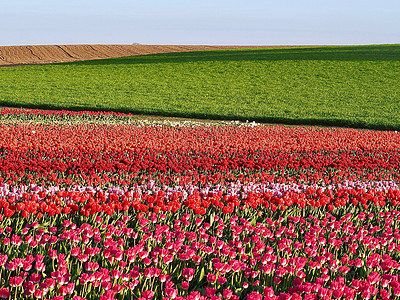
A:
[(40, 267), (116, 273), (16, 281), (374, 278), (185, 285), (210, 291), (117, 288), (227, 293), (171, 293), (35, 277), (29, 288), (3, 259), (4, 293), (254, 296), (211, 277), (39, 294), (188, 273), (148, 295), (164, 277), (133, 285)]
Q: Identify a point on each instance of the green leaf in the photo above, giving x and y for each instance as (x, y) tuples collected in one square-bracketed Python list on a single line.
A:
[(212, 218), (201, 274), (44, 225)]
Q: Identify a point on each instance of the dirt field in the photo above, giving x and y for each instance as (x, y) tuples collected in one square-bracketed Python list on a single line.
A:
[(21, 55)]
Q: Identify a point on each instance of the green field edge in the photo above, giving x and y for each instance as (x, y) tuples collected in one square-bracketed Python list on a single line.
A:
[(215, 117), (341, 123), (217, 52), (112, 59)]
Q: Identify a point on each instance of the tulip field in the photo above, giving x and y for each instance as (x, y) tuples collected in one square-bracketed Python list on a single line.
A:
[(104, 206)]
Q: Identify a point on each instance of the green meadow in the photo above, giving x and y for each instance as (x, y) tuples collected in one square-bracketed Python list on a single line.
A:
[(355, 86)]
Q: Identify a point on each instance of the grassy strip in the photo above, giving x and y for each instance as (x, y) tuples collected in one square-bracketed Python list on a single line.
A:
[(353, 86)]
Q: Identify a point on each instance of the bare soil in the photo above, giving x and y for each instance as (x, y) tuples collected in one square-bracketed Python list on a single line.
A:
[(24, 55)]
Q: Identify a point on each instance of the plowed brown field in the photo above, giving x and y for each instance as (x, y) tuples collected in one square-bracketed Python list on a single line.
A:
[(21, 55)]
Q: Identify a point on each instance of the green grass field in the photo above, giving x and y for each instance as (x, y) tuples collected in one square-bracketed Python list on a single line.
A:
[(355, 86)]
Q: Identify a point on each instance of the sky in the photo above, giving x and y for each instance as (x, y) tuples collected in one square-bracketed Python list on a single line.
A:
[(205, 22)]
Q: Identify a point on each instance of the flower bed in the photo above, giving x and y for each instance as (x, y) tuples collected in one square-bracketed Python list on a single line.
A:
[(101, 206)]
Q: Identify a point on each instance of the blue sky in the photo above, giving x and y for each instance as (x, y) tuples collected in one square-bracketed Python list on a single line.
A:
[(211, 22)]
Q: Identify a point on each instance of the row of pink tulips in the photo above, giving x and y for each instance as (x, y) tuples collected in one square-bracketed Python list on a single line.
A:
[(184, 255)]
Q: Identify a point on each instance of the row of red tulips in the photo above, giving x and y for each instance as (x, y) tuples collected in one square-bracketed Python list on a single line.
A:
[(213, 139), (83, 161), (124, 155)]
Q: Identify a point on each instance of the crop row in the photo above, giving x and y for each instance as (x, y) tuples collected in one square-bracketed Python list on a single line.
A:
[(179, 255), (35, 201), (126, 155)]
